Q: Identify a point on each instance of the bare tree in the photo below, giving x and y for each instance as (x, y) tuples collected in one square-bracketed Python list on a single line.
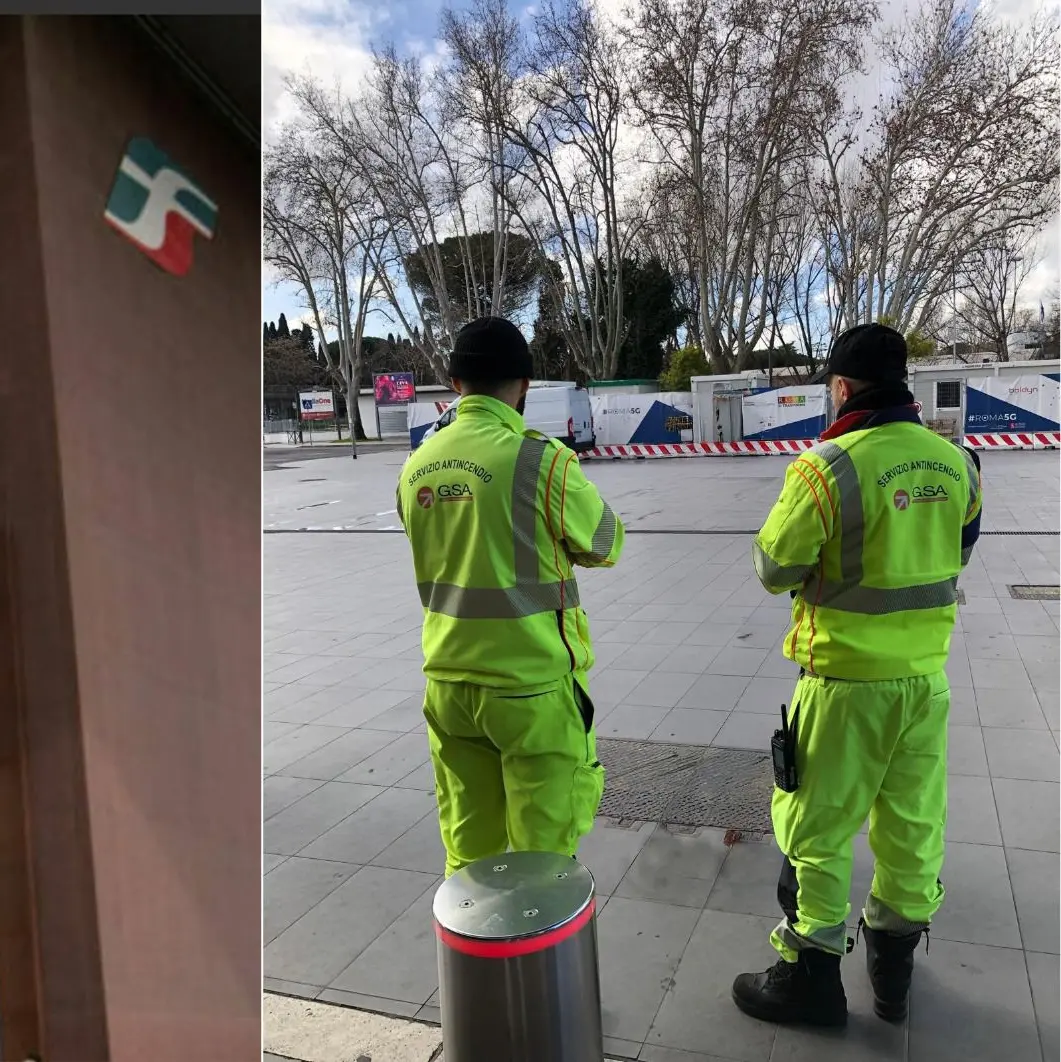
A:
[(321, 233), (991, 279), (962, 151), (728, 91)]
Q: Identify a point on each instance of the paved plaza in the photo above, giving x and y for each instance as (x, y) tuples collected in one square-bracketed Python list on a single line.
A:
[(688, 652)]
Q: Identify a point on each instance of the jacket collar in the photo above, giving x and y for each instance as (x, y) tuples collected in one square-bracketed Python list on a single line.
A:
[(873, 409), (481, 405)]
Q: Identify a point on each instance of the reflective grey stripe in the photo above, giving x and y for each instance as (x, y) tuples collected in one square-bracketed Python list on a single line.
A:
[(850, 504), (525, 510), (493, 603), (967, 555), (603, 536), (881, 917), (777, 576), (832, 939), (877, 601), (849, 595)]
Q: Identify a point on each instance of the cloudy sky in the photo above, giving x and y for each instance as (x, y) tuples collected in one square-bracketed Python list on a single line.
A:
[(332, 39)]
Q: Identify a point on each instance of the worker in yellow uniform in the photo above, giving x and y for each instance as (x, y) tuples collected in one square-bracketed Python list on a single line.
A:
[(872, 528), (497, 517)]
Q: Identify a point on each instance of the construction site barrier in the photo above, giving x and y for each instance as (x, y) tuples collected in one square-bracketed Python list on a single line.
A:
[(1029, 440), (783, 447), (517, 961)]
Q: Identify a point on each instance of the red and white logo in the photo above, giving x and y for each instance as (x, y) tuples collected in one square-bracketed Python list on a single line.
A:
[(425, 497), (901, 500)]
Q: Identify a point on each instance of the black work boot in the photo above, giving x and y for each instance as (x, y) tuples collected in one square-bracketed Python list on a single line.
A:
[(890, 963), (808, 991)]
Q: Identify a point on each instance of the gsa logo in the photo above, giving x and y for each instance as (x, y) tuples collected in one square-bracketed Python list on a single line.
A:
[(157, 207)]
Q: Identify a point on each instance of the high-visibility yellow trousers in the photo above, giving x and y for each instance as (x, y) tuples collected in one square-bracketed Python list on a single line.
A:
[(876, 749), (514, 769)]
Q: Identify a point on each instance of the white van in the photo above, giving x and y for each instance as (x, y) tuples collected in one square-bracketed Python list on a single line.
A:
[(561, 411)]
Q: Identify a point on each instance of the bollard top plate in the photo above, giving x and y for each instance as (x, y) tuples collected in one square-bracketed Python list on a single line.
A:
[(513, 896)]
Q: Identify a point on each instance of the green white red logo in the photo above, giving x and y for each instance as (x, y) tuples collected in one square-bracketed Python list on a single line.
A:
[(425, 497), (157, 207), (901, 500)]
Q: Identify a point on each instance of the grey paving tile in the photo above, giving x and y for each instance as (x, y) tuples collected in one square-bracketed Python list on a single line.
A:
[(965, 751), (972, 1002), (616, 1048), (296, 886), (654, 1053), (642, 633), (710, 633), (991, 674), (753, 635), (640, 945), (270, 861), (976, 624), (689, 659), (289, 668), (963, 707), (1029, 622), (273, 729), (1028, 813), (1041, 648), (718, 693), (339, 756), (1046, 987), (648, 656), (1033, 877), (1025, 754), (290, 988), (393, 762), (978, 907), (675, 868), (405, 716), (298, 743), (738, 661), (423, 777), (698, 1009), (1043, 674), (690, 726), (777, 665), (608, 850), (402, 962), (419, 848), (747, 730), (660, 689), (971, 814), (361, 705), (289, 831), (1017, 707), (323, 942), (631, 721), (279, 793), (747, 882), (611, 687), (959, 673), (764, 696), (362, 836), (396, 1008)]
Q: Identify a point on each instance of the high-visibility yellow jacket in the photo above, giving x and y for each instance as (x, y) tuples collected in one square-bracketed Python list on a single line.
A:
[(871, 531), (497, 516)]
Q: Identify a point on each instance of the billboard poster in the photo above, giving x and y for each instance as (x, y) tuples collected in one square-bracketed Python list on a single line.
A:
[(316, 405), (785, 413), (394, 388), (1012, 403)]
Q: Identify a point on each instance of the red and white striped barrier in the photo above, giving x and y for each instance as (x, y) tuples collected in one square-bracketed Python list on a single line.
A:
[(1027, 440), (713, 449)]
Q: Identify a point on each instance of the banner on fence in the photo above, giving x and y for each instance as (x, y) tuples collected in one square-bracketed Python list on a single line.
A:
[(649, 418), (394, 388), (1012, 403), (316, 405), (785, 413)]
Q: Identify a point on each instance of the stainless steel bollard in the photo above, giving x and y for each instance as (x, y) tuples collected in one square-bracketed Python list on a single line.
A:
[(517, 961)]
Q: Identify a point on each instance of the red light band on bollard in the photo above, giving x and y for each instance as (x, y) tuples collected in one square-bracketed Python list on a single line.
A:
[(511, 949)]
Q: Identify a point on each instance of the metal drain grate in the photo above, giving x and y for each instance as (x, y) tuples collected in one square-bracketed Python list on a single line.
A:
[(1042, 592), (686, 785)]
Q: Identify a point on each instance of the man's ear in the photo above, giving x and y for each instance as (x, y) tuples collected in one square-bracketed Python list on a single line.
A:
[(524, 387), (456, 385)]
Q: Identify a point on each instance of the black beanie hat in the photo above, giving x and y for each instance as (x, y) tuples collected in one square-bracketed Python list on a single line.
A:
[(490, 348), (873, 353)]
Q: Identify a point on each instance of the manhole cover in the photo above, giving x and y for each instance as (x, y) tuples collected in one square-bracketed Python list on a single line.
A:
[(686, 785), (1049, 592)]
